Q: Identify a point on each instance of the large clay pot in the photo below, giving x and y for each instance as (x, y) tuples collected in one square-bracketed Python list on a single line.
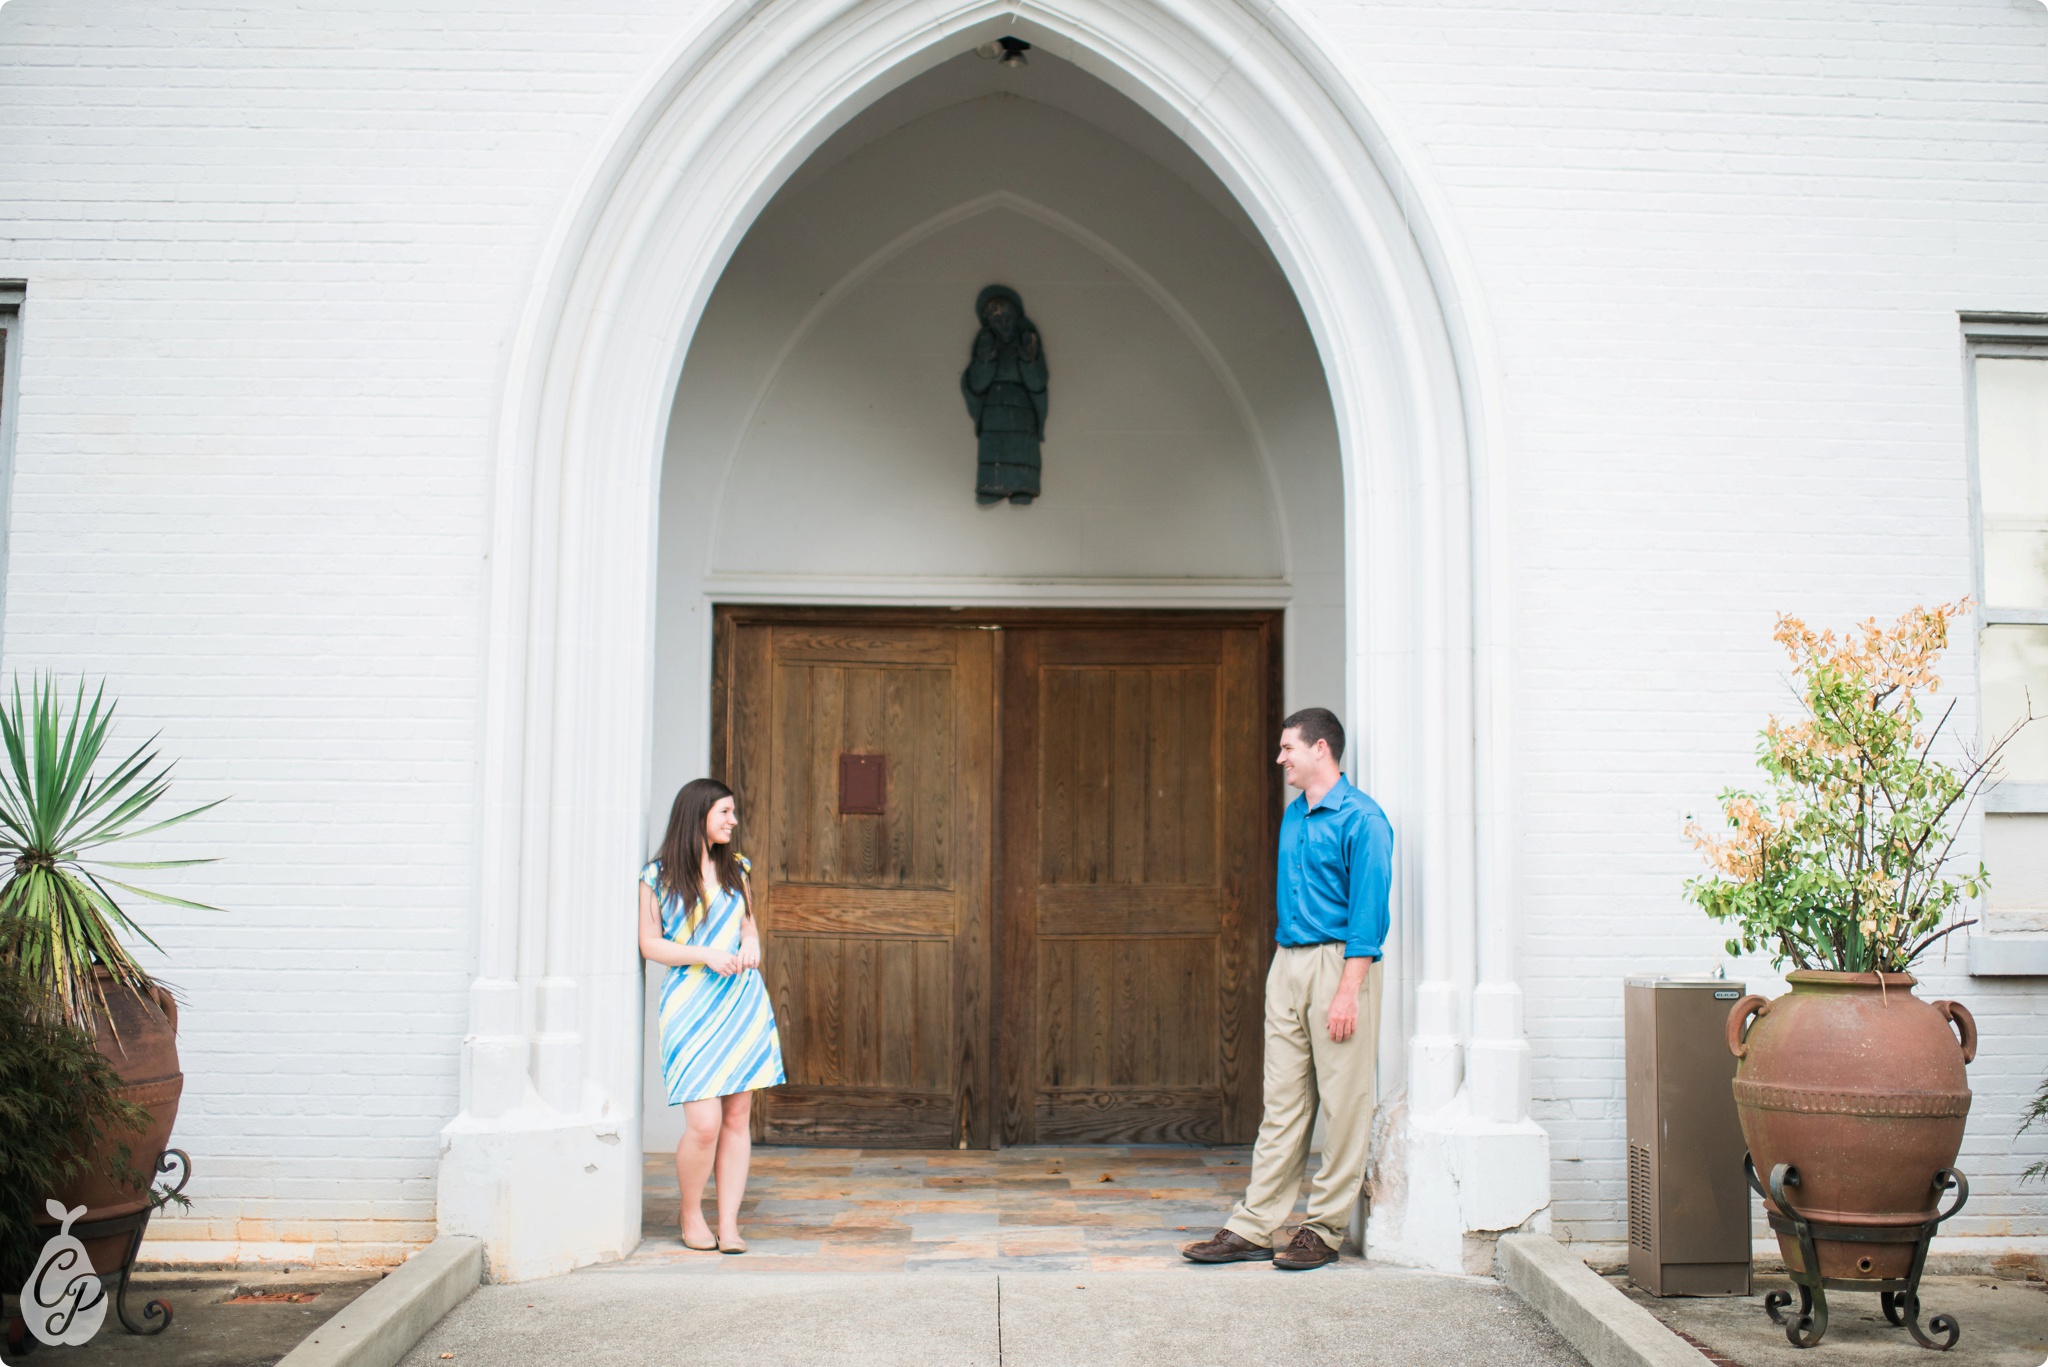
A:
[(139, 1036), (1859, 1085)]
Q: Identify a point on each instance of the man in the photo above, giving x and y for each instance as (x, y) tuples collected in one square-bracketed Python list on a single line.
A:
[(1322, 1007)]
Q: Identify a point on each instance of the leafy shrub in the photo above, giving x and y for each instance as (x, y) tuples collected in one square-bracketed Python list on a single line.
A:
[(58, 1096), (2037, 1110), (1846, 862)]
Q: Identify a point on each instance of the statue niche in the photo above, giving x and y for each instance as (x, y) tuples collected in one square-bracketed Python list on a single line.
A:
[(1004, 385)]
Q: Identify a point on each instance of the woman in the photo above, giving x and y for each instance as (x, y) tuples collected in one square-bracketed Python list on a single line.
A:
[(718, 1040)]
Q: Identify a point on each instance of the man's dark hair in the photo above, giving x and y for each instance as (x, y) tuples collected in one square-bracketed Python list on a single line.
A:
[(1318, 724)]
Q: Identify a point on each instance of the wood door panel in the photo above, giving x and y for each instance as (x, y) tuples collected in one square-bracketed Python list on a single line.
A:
[(807, 909), (1147, 645), (1251, 678), (1070, 911), (1134, 1014), (1154, 1117), (1137, 866), (862, 645), (1128, 789), (853, 1117), (874, 924), (866, 1013), (904, 713), (1135, 853)]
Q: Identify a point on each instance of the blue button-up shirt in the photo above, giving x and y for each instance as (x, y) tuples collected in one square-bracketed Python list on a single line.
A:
[(1336, 864)]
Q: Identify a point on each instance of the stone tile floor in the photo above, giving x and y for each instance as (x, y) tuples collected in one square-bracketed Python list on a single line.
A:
[(1066, 1209)]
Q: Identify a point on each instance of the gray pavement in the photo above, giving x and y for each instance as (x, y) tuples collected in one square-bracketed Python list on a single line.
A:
[(1349, 1314), (239, 1318), (2004, 1324)]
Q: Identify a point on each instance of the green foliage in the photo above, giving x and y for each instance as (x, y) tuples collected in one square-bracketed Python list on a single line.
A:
[(2037, 1109), (58, 916), (1845, 863), (58, 1096)]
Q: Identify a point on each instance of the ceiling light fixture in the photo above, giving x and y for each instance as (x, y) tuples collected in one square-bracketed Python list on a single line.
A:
[(1010, 51)]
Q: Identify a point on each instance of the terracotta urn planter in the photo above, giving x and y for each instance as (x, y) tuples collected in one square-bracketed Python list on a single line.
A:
[(139, 1036), (1859, 1085)]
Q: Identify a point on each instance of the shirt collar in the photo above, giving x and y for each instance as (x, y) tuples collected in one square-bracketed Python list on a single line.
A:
[(1341, 794)]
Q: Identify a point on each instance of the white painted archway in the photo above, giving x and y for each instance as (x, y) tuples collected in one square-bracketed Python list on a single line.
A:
[(541, 1162)]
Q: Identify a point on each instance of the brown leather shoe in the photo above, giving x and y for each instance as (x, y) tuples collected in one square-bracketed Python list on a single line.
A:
[(1305, 1250), (1225, 1246)]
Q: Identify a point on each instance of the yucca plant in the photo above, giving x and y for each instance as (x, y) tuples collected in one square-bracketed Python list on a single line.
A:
[(59, 919)]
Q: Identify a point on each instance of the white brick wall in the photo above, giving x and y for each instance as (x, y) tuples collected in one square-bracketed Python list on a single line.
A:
[(1724, 247), (275, 254)]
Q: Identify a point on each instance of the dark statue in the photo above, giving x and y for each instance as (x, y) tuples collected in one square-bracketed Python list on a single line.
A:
[(1004, 385)]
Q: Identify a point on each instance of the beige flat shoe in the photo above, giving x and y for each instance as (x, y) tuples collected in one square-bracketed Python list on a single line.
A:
[(711, 1247), (736, 1246)]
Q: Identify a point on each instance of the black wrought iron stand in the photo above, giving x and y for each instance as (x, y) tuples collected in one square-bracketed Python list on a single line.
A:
[(1900, 1296), (156, 1314)]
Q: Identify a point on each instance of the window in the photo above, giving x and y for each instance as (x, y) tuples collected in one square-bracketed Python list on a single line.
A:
[(2009, 409), (2009, 373)]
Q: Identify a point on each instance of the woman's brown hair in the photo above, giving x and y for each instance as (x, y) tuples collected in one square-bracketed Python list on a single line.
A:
[(682, 848)]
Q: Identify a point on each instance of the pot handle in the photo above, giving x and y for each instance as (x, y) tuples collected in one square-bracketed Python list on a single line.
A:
[(1738, 1022), (1958, 1015), (165, 1003)]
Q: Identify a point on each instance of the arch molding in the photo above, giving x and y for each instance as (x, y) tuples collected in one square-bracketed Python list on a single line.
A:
[(540, 1161)]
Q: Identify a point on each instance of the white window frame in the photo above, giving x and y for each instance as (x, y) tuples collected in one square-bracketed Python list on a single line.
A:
[(2023, 335)]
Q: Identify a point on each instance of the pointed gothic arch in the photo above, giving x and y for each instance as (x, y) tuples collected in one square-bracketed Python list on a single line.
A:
[(541, 1160)]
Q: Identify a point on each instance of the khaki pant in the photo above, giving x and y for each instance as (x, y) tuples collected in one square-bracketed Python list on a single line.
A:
[(1304, 1067)]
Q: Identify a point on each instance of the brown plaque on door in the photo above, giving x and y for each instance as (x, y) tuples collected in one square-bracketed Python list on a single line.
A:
[(863, 785)]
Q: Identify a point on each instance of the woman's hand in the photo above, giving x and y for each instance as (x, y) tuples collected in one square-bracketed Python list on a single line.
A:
[(721, 963), (750, 951)]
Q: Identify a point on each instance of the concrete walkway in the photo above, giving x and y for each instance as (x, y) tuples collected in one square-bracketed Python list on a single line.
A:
[(648, 1316), (2004, 1323), (1063, 1257), (218, 1319)]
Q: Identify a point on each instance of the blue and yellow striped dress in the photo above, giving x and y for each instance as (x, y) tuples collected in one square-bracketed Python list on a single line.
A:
[(717, 1033)]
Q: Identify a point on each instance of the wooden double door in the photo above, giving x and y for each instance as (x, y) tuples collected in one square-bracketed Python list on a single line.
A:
[(1014, 870)]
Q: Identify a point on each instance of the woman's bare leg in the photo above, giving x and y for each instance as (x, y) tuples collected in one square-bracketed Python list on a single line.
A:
[(735, 1153), (694, 1155)]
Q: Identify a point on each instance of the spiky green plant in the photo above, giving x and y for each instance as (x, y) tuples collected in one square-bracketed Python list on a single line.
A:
[(58, 916)]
